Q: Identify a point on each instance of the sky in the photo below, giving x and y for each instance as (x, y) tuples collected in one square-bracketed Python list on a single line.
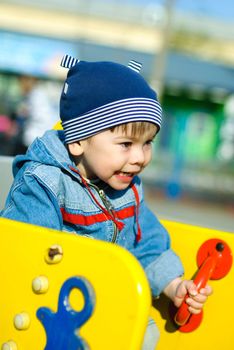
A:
[(220, 9)]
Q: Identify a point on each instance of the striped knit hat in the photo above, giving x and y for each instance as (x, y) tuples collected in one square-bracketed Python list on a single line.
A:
[(100, 95)]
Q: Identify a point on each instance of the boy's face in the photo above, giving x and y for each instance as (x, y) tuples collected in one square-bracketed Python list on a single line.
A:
[(116, 156)]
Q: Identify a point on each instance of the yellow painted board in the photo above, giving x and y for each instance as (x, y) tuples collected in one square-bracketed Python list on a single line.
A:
[(216, 329), (122, 291), (121, 311)]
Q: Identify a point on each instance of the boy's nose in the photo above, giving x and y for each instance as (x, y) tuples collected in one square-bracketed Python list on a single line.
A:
[(137, 156)]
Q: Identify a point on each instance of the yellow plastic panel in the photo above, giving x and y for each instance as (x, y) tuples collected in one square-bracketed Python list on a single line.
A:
[(122, 292), (216, 329), (58, 126)]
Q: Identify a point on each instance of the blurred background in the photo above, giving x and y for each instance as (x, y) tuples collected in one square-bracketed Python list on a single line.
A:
[(187, 51)]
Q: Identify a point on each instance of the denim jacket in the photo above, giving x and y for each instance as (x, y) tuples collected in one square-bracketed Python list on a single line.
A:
[(49, 191)]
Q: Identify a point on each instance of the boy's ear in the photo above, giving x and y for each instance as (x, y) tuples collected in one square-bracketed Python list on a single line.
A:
[(75, 148)]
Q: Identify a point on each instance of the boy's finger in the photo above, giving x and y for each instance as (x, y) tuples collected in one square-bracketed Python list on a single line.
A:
[(200, 298), (193, 290), (206, 291), (194, 304), (194, 311)]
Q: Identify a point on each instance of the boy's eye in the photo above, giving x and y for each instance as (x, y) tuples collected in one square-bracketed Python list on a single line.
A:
[(149, 142), (126, 144)]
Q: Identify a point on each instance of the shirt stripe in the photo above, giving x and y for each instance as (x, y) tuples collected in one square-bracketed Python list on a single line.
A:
[(87, 220)]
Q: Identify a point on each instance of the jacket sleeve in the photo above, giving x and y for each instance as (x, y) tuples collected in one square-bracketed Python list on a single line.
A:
[(153, 251), (30, 201)]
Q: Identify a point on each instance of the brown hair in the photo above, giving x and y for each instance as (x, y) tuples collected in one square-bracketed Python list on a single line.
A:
[(135, 128)]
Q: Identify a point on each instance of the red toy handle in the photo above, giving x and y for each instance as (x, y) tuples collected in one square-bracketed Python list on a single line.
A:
[(214, 260)]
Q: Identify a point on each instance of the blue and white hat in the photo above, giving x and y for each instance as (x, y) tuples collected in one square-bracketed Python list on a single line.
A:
[(100, 95)]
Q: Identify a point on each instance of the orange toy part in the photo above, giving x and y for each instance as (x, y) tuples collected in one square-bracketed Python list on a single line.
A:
[(214, 259)]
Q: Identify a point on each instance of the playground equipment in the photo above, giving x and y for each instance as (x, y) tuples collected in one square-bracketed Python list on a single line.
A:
[(214, 260), (60, 291), (197, 248)]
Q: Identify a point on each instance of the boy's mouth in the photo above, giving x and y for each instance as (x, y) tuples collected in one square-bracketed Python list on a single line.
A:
[(124, 174)]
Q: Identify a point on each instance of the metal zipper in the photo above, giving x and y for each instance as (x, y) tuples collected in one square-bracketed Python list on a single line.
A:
[(109, 208)]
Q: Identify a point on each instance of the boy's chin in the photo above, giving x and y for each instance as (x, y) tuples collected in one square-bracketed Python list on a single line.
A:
[(119, 186)]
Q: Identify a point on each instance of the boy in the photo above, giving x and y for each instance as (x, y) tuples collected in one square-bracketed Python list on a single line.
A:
[(85, 179)]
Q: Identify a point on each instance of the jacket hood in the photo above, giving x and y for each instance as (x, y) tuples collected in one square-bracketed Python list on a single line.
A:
[(50, 149)]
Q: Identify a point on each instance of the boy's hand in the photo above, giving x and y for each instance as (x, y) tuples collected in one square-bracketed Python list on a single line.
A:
[(177, 290)]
